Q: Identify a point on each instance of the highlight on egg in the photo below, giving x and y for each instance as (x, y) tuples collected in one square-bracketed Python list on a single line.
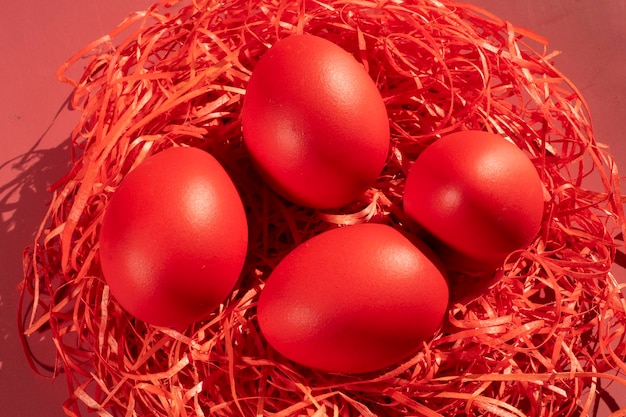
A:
[(314, 122), (354, 299), (174, 238)]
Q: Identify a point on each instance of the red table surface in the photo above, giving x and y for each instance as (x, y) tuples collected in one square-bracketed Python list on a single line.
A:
[(38, 36)]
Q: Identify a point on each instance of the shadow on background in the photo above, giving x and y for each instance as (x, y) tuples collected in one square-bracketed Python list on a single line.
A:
[(24, 198)]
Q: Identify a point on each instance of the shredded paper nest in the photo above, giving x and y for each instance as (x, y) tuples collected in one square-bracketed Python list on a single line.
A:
[(545, 340)]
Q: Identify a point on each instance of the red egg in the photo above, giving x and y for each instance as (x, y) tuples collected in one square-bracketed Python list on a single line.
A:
[(314, 122), (353, 300), (174, 238), (478, 195)]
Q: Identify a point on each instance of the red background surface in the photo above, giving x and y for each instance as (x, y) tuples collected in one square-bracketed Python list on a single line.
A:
[(37, 36)]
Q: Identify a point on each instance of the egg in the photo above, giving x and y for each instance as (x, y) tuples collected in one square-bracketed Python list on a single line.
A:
[(354, 299), (174, 237), (478, 195), (314, 122)]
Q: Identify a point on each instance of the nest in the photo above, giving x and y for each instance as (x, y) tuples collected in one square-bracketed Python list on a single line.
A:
[(540, 342)]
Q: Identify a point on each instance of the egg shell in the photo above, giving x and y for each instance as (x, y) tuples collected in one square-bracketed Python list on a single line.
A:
[(314, 122), (174, 238), (478, 195), (353, 300)]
